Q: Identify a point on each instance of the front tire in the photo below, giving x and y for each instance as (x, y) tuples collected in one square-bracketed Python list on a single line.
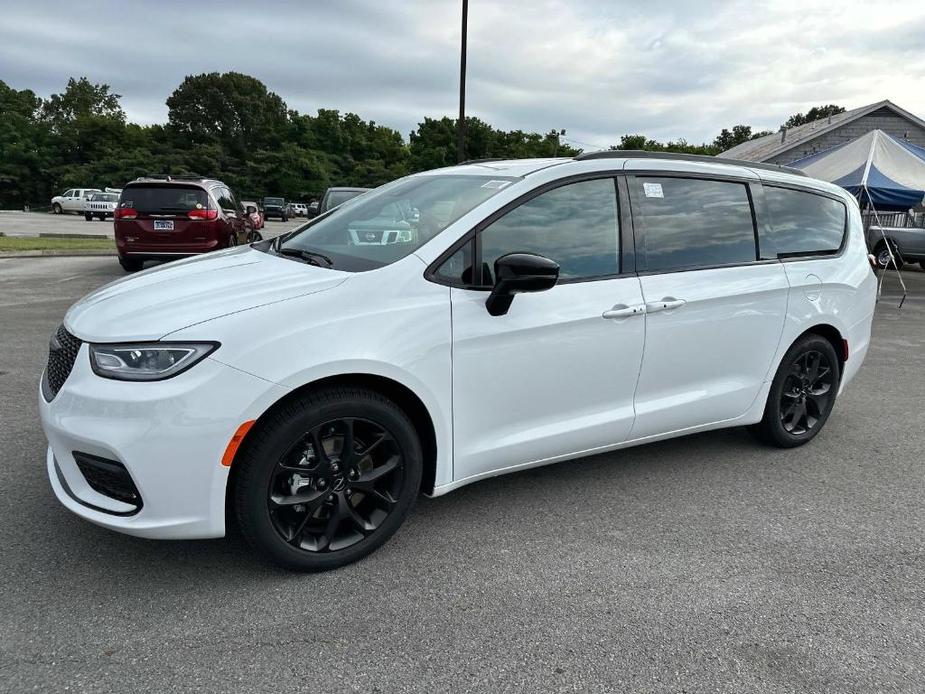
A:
[(883, 256), (327, 478), (88, 217), (802, 394), (56, 208)]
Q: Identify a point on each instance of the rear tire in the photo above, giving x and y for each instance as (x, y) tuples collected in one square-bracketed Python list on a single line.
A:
[(351, 497), (922, 264), (131, 264), (802, 394)]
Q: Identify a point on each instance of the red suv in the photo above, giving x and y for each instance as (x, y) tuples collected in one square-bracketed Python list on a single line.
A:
[(166, 217)]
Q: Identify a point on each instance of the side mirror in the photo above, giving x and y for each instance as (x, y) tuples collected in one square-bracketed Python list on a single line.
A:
[(516, 273)]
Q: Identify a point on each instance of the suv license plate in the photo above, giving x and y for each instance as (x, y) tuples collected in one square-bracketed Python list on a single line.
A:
[(163, 225)]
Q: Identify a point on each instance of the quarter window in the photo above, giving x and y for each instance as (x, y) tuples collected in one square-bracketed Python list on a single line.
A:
[(801, 223), (575, 225), (691, 223)]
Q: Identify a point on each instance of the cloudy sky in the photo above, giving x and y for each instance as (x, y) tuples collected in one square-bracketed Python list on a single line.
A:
[(598, 68)]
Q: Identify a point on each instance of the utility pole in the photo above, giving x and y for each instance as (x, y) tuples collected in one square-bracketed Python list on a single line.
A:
[(461, 123)]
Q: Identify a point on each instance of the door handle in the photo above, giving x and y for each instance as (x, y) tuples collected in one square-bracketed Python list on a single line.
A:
[(623, 311), (665, 304)]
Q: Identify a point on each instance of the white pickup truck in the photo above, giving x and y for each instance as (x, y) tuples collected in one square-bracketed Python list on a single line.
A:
[(72, 200)]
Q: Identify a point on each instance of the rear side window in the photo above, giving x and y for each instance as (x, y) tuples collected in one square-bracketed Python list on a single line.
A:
[(164, 199), (690, 223), (801, 223), (575, 225)]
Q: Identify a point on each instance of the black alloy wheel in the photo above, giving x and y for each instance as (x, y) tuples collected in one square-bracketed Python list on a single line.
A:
[(327, 478), (802, 393), (807, 393), (336, 485)]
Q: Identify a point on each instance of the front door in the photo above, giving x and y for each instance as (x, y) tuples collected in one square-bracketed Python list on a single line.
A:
[(555, 375), (714, 311)]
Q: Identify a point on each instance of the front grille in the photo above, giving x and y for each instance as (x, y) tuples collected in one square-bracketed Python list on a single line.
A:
[(62, 353), (108, 477)]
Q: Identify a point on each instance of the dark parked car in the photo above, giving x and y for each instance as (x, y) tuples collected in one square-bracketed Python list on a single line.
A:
[(167, 217), (338, 196), (275, 207)]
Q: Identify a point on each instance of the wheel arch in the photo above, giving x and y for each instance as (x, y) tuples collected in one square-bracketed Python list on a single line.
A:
[(833, 335), (398, 393)]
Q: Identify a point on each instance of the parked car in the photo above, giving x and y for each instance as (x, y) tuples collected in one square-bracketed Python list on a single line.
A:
[(72, 200), (537, 311), (275, 207), (101, 206), (169, 217), (254, 213), (338, 196), (300, 209), (907, 245)]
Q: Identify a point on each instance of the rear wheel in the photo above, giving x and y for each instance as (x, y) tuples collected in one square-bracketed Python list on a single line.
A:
[(327, 478), (131, 264), (883, 256), (922, 264), (802, 393)]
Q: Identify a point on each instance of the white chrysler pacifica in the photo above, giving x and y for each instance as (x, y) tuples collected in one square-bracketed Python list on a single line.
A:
[(451, 326)]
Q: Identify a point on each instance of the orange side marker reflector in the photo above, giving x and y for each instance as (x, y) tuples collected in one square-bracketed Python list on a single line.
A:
[(236, 442)]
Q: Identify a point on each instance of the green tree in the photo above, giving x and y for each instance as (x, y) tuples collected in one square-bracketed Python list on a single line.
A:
[(234, 110), (815, 113)]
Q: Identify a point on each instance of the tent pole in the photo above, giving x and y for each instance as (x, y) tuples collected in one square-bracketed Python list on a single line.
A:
[(889, 249)]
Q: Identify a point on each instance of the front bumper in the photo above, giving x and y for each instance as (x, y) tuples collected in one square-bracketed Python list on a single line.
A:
[(170, 436)]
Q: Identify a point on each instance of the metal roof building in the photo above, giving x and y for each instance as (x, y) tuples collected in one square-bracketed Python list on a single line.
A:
[(791, 144)]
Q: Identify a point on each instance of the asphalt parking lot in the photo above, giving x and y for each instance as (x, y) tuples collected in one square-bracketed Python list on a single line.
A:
[(702, 564), (47, 224)]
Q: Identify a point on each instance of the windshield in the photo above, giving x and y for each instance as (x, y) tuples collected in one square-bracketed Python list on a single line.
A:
[(393, 221), (160, 199), (104, 197), (272, 201)]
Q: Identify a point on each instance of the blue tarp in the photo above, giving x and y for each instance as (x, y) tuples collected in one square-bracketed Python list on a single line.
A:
[(876, 167)]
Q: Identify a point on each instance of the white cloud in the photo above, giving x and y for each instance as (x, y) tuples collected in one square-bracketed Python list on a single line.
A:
[(665, 69)]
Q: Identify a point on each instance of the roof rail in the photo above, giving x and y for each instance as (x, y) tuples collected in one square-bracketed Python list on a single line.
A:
[(482, 161), (645, 154), (172, 177)]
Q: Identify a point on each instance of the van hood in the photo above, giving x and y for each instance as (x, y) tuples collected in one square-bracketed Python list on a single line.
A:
[(154, 303)]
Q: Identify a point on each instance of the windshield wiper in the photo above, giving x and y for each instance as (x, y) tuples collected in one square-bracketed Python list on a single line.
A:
[(311, 257)]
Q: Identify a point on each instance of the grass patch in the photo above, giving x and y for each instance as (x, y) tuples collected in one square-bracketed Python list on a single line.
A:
[(46, 243)]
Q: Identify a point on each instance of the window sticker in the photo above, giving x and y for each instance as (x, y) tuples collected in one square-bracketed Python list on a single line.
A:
[(496, 185), (653, 190)]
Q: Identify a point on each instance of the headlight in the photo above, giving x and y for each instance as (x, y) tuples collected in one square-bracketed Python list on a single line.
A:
[(152, 361)]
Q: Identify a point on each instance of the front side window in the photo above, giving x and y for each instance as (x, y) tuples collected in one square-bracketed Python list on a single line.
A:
[(801, 223), (576, 225), (690, 223), (390, 222)]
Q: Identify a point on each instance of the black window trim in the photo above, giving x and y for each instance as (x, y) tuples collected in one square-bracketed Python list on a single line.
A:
[(474, 234), (807, 255), (639, 226)]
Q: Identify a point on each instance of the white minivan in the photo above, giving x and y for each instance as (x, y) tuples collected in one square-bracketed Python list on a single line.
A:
[(528, 312)]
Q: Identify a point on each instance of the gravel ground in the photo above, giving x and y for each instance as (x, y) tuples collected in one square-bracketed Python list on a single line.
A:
[(704, 564)]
